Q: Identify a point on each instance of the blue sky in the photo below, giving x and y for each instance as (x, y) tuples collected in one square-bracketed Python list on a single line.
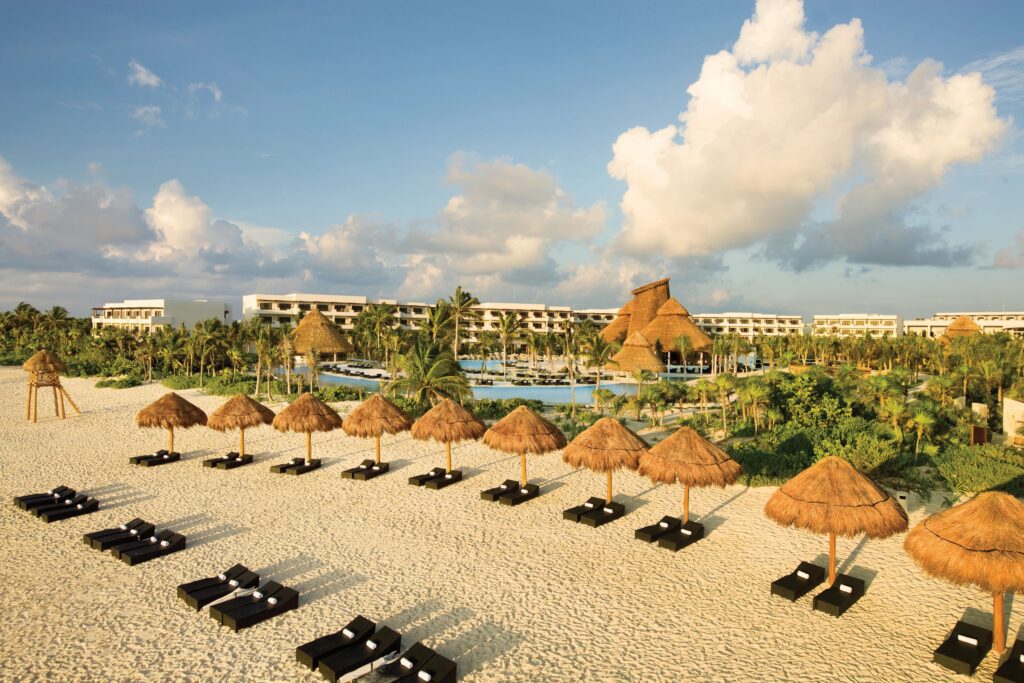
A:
[(395, 148)]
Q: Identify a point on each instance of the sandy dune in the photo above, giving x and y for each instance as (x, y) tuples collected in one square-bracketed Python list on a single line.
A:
[(513, 594)]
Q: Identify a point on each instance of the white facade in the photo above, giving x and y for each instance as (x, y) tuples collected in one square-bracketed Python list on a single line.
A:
[(148, 315), (989, 321), (856, 325), (749, 325)]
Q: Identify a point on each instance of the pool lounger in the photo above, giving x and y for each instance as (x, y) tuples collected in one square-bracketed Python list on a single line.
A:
[(1012, 670), (608, 512), (156, 547), (296, 466), (840, 596), (520, 495), (685, 535), (805, 578), (204, 592), (408, 665), (437, 669), (75, 509), (421, 479), (354, 633), (492, 495), (142, 542), (358, 660), (446, 479), (156, 460), (228, 462), (574, 514), (266, 602), (126, 533), (652, 533), (136, 459), (964, 649), (33, 499)]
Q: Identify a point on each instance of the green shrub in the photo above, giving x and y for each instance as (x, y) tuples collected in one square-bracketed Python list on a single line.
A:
[(413, 408), (497, 408), (332, 393), (972, 469), (118, 383)]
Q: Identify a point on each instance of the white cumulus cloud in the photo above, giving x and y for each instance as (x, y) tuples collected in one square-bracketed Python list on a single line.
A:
[(149, 115), (141, 76)]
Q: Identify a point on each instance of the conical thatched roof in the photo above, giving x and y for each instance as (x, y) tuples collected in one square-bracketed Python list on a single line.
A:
[(170, 412), (979, 542), (307, 413), (605, 446), (831, 496), (636, 354), (524, 431), (315, 331), (448, 422), (690, 459), (671, 322), (646, 302), (44, 361), (240, 412), (962, 327), (617, 329), (376, 416)]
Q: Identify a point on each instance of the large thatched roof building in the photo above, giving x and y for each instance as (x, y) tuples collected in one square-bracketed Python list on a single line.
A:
[(617, 329), (636, 354), (316, 332), (671, 322), (646, 302), (964, 326)]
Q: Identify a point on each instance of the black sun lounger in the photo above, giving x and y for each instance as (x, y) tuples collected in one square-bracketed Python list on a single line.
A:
[(136, 459), (964, 649), (437, 669), (446, 479), (296, 466), (199, 594), (652, 533), (520, 495), (76, 509), (1012, 670), (355, 661), (126, 533), (33, 499), (421, 479), (268, 601), (158, 546), (52, 499), (157, 460), (408, 665), (491, 495), (608, 512), (366, 470), (354, 633), (228, 462), (840, 596), (574, 514), (805, 578), (687, 534)]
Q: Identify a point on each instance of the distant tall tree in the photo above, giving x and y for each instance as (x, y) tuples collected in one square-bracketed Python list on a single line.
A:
[(461, 303)]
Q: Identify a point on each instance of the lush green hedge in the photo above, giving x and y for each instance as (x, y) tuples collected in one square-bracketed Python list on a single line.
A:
[(118, 383), (972, 469)]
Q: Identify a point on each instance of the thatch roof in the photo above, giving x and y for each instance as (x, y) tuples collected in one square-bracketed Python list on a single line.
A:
[(315, 331), (44, 361), (979, 542), (617, 329), (671, 322), (170, 412), (524, 431), (962, 327), (448, 422), (240, 412), (833, 497), (690, 459), (376, 416), (307, 413), (605, 446), (646, 302), (636, 354)]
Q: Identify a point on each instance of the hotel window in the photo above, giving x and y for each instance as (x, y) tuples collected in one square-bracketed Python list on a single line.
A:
[(303, 307), (284, 307), (339, 307), (321, 307), (264, 306)]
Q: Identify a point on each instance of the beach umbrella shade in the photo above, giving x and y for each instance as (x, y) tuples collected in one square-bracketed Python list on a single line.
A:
[(307, 414), (980, 542), (169, 412), (605, 446), (523, 431), (831, 497), (690, 459), (448, 422), (315, 332), (375, 417), (240, 412)]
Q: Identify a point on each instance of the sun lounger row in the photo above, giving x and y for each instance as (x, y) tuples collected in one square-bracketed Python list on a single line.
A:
[(161, 457), (511, 492), (368, 469), (363, 646), (595, 512), (135, 542), (296, 466), (436, 478), (671, 533), (232, 583), (236, 600), (229, 461), (58, 503), (834, 600), (966, 647)]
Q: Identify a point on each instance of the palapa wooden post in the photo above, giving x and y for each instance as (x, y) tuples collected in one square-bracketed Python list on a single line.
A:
[(831, 558), (376, 449), (609, 486), (241, 443), (448, 456), (171, 430), (686, 503), (999, 644), (28, 406), (309, 447), (522, 462)]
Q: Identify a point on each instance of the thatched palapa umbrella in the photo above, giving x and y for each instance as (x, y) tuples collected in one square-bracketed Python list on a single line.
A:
[(831, 497), (168, 412), (374, 417), (605, 446), (523, 431), (448, 422), (316, 334), (690, 459), (307, 414), (240, 412), (980, 542)]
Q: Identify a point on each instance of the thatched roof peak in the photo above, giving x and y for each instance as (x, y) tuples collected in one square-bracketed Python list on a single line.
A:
[(962, 327), (240, 412), (636, 354), (663, 282), (307, 413), (604, 446), (44, 361), (170, 411), (687, 457), (671, 322), (448, 422), (315, 331), (672, 307), (376, 416), (647, 299), (524, 431)]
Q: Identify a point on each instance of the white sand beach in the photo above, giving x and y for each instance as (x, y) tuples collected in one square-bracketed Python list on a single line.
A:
[(512, 594)]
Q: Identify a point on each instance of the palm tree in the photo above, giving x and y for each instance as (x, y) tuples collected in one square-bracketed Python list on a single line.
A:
[(894, 410), (428, 373), (642, 377), (378, 319), (757, 396), (439, 321), (508, 327), (597, 353), (704, 390), (724, 385), (461, 304), (602, 397), (685, 347), (924, 421), (534, 345)]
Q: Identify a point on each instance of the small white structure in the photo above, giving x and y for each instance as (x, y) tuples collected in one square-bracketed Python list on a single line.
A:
[(856, 325), (1013, 419), (149, 315), (990, 322)]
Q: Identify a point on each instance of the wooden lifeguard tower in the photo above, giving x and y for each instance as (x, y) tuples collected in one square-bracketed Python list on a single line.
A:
[(44, 370)]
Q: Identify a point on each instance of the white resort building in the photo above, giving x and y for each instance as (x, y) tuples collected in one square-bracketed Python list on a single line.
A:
[(148, 315), (749, 325), (856, 325), (989, 321)]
